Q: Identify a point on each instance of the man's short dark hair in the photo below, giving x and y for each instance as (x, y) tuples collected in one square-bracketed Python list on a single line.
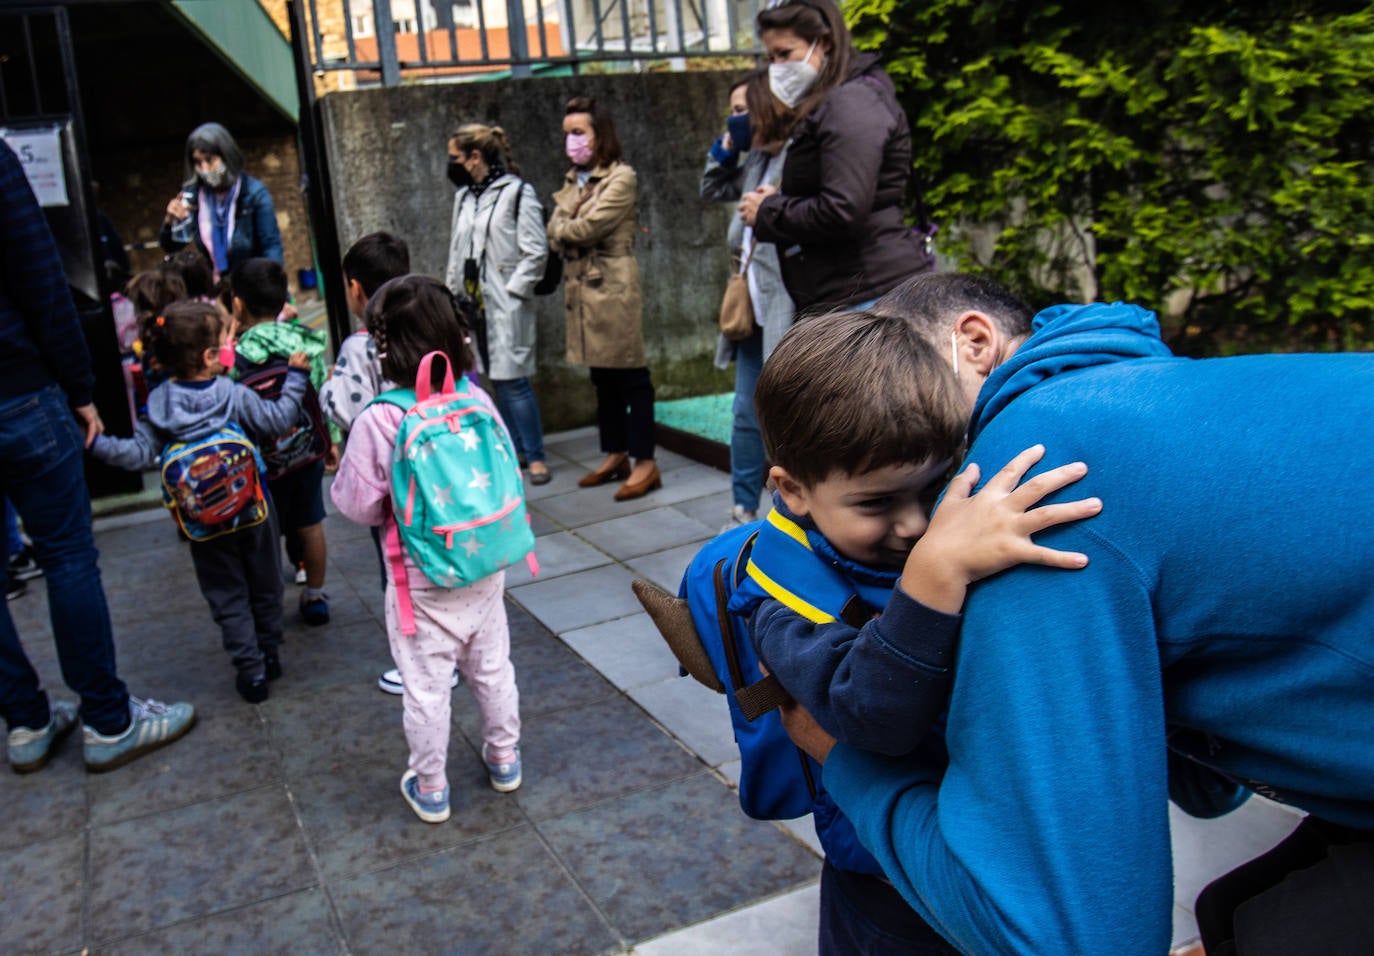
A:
[(261, 284), (375, 258), (853, 392), (933, 300)]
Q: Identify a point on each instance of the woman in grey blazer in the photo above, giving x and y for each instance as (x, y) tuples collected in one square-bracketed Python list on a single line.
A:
[(497, 251)]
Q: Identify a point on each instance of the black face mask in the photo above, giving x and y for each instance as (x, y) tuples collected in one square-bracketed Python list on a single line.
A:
[(457, 175)]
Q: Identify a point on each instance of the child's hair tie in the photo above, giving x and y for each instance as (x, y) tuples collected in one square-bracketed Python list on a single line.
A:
[(161, 321)]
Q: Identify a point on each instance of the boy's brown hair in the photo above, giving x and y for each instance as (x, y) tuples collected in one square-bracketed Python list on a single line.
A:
[(853, 392)]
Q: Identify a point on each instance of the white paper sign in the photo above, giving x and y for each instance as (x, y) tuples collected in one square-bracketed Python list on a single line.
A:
[(40, 152)]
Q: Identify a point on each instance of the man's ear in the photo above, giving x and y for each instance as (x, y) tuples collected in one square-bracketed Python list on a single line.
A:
[(794, 493), (979, 343), (240, 310)]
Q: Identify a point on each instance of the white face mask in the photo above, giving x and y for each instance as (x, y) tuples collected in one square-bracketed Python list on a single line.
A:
[(791, 80)]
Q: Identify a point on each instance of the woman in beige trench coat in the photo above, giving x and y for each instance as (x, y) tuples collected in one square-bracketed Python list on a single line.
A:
[(593, 227)]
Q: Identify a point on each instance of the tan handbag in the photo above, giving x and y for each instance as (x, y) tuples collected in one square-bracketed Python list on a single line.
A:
[(736, 308)]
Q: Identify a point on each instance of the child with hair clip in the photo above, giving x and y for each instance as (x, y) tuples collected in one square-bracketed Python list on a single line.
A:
[(231, 530), (410, 317)]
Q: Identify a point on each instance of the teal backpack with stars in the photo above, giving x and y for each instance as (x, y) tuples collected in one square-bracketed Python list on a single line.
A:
[(457, 498)]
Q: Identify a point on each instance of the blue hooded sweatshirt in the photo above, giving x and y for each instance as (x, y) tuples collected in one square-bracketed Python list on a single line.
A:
[(1228, 609)]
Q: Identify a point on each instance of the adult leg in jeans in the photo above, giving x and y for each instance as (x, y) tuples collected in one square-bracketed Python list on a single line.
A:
[(42, 474), (12, 535), (518, 406), (746, 444)]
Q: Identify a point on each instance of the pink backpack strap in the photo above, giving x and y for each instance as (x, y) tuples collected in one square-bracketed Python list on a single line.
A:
[(423, 388), (395, 557)]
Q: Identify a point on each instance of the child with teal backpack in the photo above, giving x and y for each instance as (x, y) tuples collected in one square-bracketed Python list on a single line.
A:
[(433, 465)]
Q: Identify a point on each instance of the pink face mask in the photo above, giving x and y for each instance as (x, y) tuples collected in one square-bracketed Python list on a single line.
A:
[(579, 148), (226, 355)]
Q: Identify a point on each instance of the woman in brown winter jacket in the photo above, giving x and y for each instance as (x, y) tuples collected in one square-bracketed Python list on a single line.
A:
[(593, 228)]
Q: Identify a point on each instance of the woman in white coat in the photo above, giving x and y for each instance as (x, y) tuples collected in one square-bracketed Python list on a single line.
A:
[(497, 252)]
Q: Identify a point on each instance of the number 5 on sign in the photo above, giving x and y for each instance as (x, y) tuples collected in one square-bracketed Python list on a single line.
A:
[(40, 151)]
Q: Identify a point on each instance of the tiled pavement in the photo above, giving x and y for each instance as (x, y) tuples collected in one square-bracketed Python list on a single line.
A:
[(279, 828)]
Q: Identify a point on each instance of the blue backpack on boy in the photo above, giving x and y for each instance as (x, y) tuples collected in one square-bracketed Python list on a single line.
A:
[(458, 502), (707, 628), (213, 484)]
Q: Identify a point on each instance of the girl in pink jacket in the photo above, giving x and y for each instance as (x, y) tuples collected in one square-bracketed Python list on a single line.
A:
[(463, 627)]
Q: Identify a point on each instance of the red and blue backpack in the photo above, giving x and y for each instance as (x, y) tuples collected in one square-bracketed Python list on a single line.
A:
[(213, 485)]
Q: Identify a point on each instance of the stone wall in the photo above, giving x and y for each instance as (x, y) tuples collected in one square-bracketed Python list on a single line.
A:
[(387, 153)]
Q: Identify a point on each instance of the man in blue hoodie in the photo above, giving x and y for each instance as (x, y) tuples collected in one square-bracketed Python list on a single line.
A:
[(1220, 642)]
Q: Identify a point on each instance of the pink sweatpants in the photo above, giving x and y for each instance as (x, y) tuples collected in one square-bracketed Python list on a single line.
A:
[(463, 627)]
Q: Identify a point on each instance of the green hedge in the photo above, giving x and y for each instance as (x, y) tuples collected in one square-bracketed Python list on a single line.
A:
[(1211, 160)]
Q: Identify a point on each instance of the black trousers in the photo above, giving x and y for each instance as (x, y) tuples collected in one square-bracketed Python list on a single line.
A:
[(1313, 893), (625, 410)]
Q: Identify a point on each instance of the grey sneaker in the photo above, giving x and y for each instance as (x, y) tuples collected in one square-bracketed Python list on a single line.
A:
[(429, 807), (152, 724), (504, 777), (30, 749)]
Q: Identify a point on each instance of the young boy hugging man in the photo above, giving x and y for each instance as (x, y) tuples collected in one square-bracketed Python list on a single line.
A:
[(857, 417), (259, 292)]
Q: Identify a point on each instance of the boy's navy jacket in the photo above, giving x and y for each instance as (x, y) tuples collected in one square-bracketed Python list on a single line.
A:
[(1224, 623), (184, 412), (880, 686)]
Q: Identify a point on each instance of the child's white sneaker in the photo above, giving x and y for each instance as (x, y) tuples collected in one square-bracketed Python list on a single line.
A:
[(391, 681)]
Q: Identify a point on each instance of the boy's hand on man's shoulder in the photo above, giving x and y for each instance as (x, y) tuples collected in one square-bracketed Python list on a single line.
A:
[(299, 360), (973, 536)]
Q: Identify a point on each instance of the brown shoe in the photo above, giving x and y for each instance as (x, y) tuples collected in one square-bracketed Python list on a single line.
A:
[(614, 469), (638, 489)]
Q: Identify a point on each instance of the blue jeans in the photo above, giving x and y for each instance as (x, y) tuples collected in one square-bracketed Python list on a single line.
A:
[(42, 473), (16, 542), (746, 444), (516, 402)]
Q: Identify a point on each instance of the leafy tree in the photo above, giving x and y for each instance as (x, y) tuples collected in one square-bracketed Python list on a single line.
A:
[(1209, 159)]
